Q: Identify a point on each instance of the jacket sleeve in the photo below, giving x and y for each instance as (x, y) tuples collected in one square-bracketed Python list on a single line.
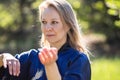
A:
[(24, 66), (79, 69)]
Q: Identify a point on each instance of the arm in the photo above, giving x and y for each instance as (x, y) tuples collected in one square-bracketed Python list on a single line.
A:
[(52, 72), (48, 58)]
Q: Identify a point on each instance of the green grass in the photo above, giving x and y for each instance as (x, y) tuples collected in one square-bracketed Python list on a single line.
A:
[(106, 69)]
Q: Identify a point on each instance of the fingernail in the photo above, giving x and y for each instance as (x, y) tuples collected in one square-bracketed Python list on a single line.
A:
[(17, 74), (14, 74), (5, 66), (10, 73)]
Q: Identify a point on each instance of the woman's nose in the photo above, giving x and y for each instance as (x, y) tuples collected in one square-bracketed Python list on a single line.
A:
[(48, 27)]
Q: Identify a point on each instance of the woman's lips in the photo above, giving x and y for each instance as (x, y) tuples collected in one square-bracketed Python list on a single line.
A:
[(50, 35)]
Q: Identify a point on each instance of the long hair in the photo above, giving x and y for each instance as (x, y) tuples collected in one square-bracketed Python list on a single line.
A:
[(68, 17)]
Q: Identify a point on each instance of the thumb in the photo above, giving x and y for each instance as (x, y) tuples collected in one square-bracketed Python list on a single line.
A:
[(4, 63)]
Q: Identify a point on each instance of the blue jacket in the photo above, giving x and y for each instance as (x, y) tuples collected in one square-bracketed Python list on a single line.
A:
[(72, 65)]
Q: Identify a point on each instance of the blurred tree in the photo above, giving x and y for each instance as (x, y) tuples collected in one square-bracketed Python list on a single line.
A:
[(19, 25), (100, 16), (114, 11)]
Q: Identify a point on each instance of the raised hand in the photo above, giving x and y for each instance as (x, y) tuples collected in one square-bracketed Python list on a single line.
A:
[(48, 55)]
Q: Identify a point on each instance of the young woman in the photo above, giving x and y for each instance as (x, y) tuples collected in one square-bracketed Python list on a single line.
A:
[(63, 55)]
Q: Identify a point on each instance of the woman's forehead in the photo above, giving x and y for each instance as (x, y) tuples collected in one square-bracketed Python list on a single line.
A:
[(50, 12)]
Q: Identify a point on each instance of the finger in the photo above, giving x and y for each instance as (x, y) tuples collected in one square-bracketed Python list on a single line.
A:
[(14, 69), (46, 50), (44, 53), (48, 54), (14, 66), (54, 54), (17, 68), (9, 63), (41, 57), (4, 63), (54, 49)]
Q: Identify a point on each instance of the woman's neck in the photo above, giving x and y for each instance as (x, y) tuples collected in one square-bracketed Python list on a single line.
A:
[(58, 44)]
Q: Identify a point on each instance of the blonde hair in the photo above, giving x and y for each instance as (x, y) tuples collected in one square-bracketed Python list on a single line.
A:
[(68, 17)]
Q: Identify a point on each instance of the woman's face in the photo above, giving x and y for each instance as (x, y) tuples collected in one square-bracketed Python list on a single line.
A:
[(52, 27)]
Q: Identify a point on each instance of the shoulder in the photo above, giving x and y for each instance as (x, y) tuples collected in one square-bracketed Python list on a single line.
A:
[(80, 60), (78, 57), (73, 55), (83, 59), (78, 64)]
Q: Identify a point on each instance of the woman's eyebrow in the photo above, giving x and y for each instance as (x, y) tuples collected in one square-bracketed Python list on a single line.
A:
[(55, 18), (51, 19)]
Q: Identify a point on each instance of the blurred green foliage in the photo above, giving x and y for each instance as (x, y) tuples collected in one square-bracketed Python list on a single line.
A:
[(20, 27), (100, 16)]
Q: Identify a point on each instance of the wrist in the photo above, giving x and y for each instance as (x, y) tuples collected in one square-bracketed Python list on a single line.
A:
[(50, 65)]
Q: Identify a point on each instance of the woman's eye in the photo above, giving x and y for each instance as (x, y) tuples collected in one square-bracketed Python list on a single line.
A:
[(54, 22), (44, 22)]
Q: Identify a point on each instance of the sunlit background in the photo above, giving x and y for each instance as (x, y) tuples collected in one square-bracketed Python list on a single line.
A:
[(98, 19)]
